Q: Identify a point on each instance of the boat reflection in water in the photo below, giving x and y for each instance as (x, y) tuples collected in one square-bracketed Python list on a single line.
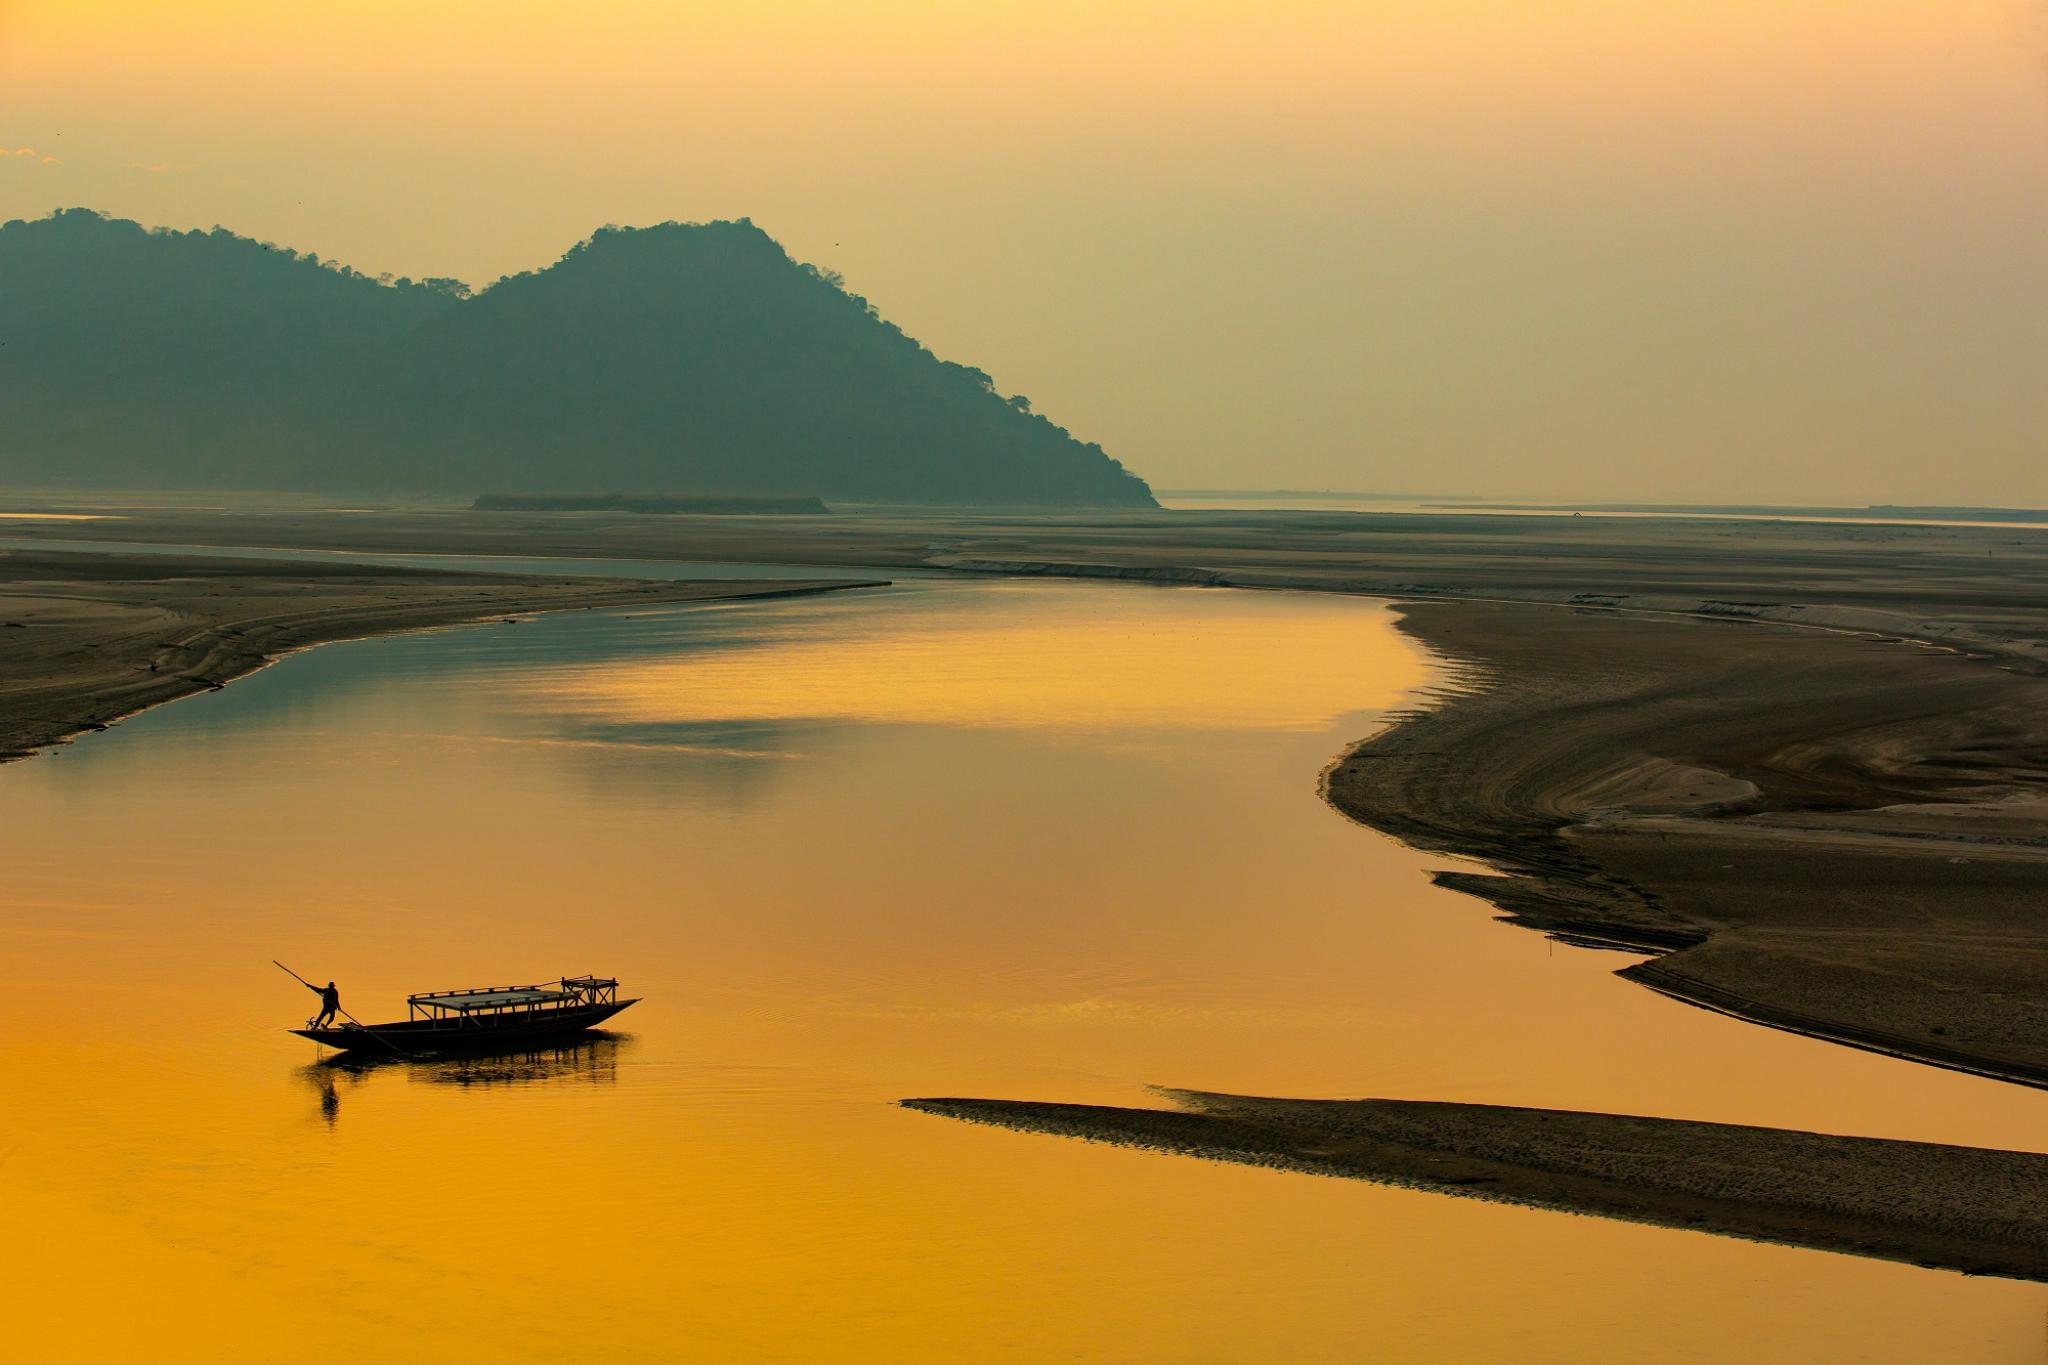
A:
[(593, 1059)]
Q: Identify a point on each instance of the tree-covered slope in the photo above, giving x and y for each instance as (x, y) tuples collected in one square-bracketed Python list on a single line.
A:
[(679, 358), (159, 358)]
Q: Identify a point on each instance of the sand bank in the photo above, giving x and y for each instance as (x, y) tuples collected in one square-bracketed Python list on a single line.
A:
[(86, 639), (1834, 834), (1958, 1208)]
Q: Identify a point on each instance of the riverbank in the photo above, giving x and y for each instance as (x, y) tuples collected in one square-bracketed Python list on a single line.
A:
[(1838, 835), (1805, 761), (1957, 1208), (89, 638), (1778, 811)]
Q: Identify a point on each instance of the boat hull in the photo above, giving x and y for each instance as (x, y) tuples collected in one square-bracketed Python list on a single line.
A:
[(462, 1034)]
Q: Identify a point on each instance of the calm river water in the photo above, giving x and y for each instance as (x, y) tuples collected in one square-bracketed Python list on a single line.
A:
[(1038, 840)]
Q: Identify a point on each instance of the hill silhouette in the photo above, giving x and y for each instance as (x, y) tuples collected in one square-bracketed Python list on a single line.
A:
[(682, 358)]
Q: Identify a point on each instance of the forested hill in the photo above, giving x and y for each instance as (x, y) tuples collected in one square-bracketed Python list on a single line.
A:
[(671, 359)]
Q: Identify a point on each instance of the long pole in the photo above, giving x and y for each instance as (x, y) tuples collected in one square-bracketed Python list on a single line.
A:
[(344, 1013), (293, 975)]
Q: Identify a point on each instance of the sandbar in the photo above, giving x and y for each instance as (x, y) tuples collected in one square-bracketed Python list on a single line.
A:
[(1971, 1209)]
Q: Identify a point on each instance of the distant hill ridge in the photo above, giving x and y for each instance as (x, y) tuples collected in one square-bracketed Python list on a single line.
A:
[(680, 358)]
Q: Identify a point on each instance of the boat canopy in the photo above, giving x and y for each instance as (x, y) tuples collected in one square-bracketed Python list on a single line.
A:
[(493, 999), (569, 992)]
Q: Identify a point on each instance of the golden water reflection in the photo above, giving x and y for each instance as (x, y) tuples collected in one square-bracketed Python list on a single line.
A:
[(834, 887), (1010, 656)]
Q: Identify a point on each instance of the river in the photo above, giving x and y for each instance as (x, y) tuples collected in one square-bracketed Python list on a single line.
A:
[(1025, 839)]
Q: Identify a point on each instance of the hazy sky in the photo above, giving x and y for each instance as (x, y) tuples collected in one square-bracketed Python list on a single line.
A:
[(1731, 249)]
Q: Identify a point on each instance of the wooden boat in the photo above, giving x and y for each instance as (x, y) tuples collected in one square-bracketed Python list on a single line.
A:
[(483, 1017)]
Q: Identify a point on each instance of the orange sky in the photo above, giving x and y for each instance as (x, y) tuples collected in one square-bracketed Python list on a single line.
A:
[(1734, 250)]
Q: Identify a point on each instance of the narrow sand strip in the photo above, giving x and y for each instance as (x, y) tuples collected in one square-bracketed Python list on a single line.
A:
[(1971, 1209)]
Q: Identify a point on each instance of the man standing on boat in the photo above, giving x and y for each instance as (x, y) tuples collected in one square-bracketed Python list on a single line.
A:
[(330, 1004)]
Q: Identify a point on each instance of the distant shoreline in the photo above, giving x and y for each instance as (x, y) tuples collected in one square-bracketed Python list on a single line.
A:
[(1446, 502), (1871, 512), (653, 504)]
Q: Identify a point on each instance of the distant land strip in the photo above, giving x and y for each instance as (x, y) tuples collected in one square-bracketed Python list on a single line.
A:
[(90, 638), (1971, 1209), (1872, 512), (658, 504)]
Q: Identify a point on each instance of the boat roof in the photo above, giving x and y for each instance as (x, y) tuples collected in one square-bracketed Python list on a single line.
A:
[(465, 1001)]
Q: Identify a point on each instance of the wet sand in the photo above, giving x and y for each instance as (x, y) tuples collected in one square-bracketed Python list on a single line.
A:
[(89, 638), (1956, 1208)]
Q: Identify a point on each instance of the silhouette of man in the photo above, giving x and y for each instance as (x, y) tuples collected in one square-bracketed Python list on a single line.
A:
[(330, 1005)]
